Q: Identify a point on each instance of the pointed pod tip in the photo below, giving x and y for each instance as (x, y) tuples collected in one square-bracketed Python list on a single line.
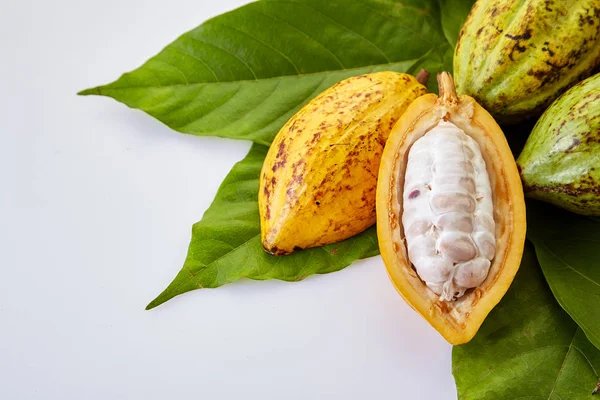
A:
[(276, 245)]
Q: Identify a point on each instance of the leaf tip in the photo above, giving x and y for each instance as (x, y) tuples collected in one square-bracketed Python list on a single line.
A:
[(155, 303), (89, 92)]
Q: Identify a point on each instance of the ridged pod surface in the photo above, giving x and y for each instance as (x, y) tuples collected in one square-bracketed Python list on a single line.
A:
[(318, 182), (560, 163), (457, 320), (517, 56)]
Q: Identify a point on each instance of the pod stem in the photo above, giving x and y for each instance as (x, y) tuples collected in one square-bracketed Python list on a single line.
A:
[(446, 86), (422, 77)]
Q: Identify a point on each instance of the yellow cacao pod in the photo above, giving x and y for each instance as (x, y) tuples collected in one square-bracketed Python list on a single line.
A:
[(455, 311), (318, 181)]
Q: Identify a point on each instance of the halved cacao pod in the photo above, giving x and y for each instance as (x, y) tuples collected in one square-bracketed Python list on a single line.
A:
[(457, 320), (318, 181)]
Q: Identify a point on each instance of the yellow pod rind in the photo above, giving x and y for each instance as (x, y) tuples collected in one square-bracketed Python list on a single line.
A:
[(456, 321), (318, 182)]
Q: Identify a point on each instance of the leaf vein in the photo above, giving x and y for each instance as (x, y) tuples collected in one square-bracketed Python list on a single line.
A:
[(226, 51), (175, 67), (234, 120), (344, 27), (568, 265), (277, 51), (563, 364), (404, 26), (186, 53), (304, 33), (207, 114)]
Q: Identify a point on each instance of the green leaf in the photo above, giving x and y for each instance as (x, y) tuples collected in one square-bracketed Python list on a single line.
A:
[(243, 74), (568, 249), (454, 14), (527, 348), (226, 243)]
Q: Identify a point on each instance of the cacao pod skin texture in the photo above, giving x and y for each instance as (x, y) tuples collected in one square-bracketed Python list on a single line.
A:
[(560, 163), (515, 57), (457, 321), (318, 181)]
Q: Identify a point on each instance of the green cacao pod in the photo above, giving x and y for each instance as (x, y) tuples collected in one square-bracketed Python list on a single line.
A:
[(515, 57), (560, 163)]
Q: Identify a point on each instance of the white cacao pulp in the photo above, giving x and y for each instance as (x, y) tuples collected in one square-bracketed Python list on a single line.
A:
[(448, 211)]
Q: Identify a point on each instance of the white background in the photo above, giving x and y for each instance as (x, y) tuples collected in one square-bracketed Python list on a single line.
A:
[(96, 207)]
